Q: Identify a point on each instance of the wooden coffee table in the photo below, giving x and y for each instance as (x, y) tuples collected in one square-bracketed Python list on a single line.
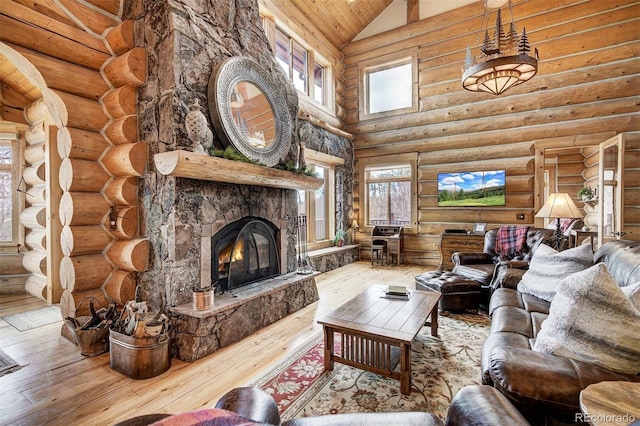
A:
[(376, 332)]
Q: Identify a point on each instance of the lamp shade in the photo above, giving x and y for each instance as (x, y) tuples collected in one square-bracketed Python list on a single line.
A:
[(559, 205)]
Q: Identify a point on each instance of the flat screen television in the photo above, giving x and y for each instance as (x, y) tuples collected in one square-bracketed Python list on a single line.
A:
[(472, 189)]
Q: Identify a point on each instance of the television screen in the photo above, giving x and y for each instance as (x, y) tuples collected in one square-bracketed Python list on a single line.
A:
[(472, 189)]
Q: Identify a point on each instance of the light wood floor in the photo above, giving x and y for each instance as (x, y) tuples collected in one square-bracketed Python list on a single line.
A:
[(59, 386)]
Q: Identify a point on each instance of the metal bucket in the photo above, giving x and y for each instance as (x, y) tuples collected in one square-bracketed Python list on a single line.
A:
[(92, 342), (139, 358), (202, 300)]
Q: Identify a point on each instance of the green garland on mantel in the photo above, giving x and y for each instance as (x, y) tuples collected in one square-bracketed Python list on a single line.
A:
[(230, 153)]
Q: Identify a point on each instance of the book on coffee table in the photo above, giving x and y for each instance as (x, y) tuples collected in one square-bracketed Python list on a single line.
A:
[(396, 292)]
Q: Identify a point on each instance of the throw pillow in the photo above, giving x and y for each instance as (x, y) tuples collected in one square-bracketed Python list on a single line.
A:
[(592, 320), (548, 267), (633, 293)]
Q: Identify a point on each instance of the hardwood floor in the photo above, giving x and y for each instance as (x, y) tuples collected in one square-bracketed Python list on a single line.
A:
[(59, 386)]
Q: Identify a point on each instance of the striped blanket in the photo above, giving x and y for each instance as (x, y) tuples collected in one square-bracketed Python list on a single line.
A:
[(510, 240)]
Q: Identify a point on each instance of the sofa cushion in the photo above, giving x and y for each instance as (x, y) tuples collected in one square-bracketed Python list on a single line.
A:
[(511, 320), (505, 297), (533, 304), (548, 267), (591, 319)]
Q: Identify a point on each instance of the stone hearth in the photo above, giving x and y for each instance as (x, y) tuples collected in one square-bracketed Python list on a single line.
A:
[(236, 316)]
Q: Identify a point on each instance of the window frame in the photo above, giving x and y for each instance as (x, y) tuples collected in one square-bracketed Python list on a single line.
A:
[(329, 162), (363, 192), (271, 28), (17, 202), (365, 68)]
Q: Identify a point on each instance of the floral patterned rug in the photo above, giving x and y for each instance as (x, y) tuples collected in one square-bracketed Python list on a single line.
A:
[(440, 366)]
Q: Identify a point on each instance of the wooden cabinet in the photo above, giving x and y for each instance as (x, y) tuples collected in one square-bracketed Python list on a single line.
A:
[(451, 243)]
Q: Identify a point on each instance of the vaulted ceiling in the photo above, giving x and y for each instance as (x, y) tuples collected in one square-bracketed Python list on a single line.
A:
[(340, 20)]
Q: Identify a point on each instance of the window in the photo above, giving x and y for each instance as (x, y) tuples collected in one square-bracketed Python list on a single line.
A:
[(389, 88), (389, 190), (318, 81), (320, 205), (302, 66), (9, 196), (389, 85), (315, 205)]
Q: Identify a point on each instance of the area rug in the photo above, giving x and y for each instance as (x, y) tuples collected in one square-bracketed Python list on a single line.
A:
[(7, 364), (35, 318), (440, 366)]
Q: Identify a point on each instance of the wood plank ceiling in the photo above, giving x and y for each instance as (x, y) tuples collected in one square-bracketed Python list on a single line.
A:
[(340, 20)]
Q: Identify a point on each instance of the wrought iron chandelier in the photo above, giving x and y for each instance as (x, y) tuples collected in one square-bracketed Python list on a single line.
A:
[(504, 60)]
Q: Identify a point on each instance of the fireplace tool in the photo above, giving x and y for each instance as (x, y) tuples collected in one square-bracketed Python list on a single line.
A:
[(304, 266)]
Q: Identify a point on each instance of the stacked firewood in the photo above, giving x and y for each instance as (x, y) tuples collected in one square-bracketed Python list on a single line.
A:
[(101, 318), (137, 321)]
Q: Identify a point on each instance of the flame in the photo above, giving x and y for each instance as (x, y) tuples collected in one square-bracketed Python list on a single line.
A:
[(238, 251), (225, 256)]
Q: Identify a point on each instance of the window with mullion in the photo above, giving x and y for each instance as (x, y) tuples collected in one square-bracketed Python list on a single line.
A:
[(389, 195), (307, 75)]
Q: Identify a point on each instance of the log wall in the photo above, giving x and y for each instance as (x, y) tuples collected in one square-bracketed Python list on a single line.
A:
[(86, 56), (587, 89)]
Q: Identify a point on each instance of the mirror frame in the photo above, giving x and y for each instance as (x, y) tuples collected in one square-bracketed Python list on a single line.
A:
[(221, 83)]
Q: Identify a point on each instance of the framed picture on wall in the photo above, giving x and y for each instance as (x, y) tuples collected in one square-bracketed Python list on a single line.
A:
[(479, 228)]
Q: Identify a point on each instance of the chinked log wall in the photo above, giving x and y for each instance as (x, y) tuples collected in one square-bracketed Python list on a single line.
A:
[(87, 56), (585, 92)]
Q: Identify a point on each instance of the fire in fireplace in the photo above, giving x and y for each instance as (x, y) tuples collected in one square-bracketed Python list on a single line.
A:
[(243, 252)]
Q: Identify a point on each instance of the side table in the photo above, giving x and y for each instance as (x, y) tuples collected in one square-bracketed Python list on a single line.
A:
[(610, 403), (577, 235)]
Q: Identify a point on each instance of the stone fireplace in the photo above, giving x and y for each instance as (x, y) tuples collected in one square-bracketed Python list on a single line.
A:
[(244, 252), (184, 42)]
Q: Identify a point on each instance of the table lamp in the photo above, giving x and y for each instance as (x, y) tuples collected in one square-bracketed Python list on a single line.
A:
[(559, 205)]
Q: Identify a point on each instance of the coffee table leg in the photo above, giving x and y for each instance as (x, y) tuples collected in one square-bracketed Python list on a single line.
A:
[(328, 348), (434, 321), (405, 369)]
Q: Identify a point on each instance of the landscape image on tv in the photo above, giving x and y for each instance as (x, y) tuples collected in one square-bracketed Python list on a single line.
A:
[(472, 189)]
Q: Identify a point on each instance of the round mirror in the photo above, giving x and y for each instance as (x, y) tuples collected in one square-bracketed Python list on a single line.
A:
[(252, 114), (249, 111)]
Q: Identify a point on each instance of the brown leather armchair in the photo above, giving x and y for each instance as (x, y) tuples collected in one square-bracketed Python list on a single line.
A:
[(489, 270)]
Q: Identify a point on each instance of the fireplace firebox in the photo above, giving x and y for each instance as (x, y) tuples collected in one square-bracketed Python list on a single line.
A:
[(243, 252)]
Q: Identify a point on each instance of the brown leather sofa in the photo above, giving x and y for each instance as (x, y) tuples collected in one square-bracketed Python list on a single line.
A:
[(474, 405), (487, 267), (543, 386)]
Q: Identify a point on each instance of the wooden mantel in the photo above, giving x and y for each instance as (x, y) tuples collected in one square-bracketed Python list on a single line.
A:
[(204, 167)]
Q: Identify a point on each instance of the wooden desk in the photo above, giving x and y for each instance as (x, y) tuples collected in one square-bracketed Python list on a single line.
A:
[(610, 403), (452, 242), (394, 237), (376, 332)]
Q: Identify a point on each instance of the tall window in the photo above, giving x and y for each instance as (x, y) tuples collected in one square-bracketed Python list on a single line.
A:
[(9, 208), (315, 204), (320, 205), (389, 85), (388, 187), (389, 197), (302, 67)]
